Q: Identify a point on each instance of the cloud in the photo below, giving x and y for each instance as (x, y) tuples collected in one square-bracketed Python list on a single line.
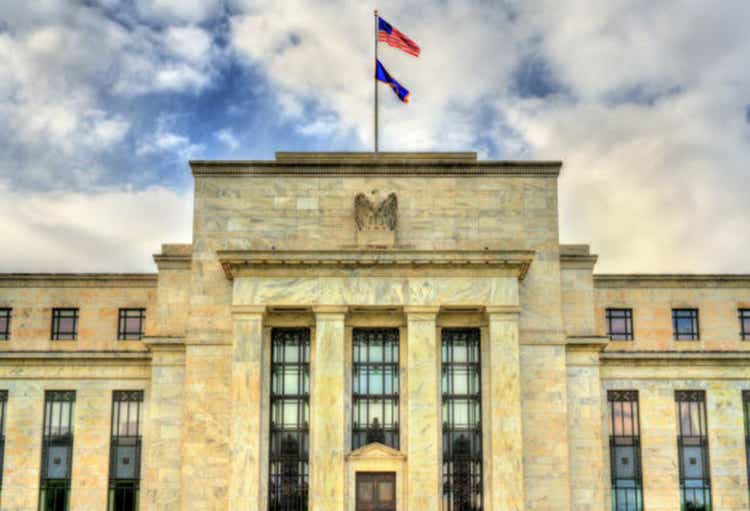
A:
[(228, 138), (165, 140), (110, 230)]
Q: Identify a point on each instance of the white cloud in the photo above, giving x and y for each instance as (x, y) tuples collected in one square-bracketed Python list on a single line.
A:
[(110, 230), (229, 139), (165, 140), (170, 11)]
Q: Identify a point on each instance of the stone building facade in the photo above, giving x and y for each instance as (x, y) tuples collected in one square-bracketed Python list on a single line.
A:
[(357, 331)]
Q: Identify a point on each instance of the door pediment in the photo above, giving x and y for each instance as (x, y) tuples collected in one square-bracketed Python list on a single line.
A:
[(377, 451)]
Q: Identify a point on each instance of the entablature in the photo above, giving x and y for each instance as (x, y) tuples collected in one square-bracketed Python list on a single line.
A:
[(320, 263)]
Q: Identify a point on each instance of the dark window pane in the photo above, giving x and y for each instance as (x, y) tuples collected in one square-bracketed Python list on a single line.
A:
[(744, 324), (462, 419), (375, 387), (625, 451), (57, 450), (692, 443), (131, 324), (290, 411), (64, 324), (685, 324), (620, 324)]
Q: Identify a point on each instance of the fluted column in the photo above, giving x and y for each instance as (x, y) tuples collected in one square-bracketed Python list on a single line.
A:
[(504, 484), (423, 409), (327, 415), (244, 486)]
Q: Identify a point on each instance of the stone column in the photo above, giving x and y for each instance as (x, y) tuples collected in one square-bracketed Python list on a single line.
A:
[(504, 485), (423, 409), (327, 410), (162, 432), (245, 441)]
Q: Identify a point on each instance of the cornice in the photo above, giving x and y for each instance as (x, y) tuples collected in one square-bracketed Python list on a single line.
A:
[(674, 356), (75, 355), (292, 262), (146, 280), (403, 167), (672, 280)]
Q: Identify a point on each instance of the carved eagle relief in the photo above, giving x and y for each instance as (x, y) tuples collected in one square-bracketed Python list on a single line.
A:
[(368, 217)]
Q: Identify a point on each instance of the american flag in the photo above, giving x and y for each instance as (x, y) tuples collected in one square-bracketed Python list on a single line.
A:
[(390, 35)]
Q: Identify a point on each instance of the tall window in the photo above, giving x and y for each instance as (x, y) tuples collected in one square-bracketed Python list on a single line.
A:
[(625, 450), (5, 315), (744, 315), (125, 450), (130, 324), (290, 416), (64, 324), (685, 324), (692, 445), (375, 382), (620, 324), (462, 419), (3, 402), (746, 409), (57, 450)]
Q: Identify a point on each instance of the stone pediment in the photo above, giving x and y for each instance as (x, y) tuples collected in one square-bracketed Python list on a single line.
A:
[(376, 450)]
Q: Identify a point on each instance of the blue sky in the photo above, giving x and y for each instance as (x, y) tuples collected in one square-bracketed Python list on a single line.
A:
[(103, 102)]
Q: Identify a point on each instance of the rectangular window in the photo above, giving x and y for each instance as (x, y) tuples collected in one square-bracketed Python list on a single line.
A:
[(290, 416), (461, 385), (5, 315), (746, 409), (64, 324), (625, 450), (130, 324), (125, 450), (57, 450), (744, 315), (3, 420), (620, 324), (685, 324), (375, 386), (692, 446)]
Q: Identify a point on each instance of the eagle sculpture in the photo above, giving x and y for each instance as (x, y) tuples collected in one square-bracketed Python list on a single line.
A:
[(368, 217)]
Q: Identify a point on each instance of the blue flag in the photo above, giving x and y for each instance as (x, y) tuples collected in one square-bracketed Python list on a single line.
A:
[(382, 75)]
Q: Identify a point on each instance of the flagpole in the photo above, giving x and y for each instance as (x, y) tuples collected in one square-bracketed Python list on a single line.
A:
[(375, 80)]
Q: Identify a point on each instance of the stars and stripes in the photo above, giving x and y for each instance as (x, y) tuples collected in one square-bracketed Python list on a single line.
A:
[(393, 37)]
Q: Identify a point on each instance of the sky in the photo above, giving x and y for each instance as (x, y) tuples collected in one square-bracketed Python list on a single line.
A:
[(103, 103)]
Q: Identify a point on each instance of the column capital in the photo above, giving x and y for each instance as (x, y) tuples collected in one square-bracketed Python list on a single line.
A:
[(330, 310), (421, 312), (503, 312), (248, 311)]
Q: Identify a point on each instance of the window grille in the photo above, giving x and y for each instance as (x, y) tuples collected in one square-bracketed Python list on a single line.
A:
[(57, 450), (462, 419), (620, 324), (64, 324), (744, 315), (375, 387), (3, 420), (5, 315), (692, 446), (290, 416), (625, 450), (685, 324), (130, 324), (125, 450)]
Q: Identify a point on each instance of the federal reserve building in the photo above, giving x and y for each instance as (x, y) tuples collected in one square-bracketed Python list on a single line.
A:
[(375, 332)]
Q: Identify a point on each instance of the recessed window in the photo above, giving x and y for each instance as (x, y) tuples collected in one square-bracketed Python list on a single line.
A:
[(64, 324), (5, 315), (57, 450), (744, 324), (685, 324), (130, 324), (620, 324), (125, 450), (692, 446), (625, 450), (3, 401), (375, 387)]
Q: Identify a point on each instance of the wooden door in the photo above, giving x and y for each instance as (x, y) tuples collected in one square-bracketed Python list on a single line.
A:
[(376, 491)]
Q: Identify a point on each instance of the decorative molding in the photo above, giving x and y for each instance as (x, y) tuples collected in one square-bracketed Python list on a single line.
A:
[(421, 312), (587, 342), (330, 310), (74, 355), (74, 280), (258, 262), (673, 280), (503, 312), (672, 357), (376, 451)]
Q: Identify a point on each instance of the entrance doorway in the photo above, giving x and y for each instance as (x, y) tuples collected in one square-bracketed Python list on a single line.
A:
[(376, 491)]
